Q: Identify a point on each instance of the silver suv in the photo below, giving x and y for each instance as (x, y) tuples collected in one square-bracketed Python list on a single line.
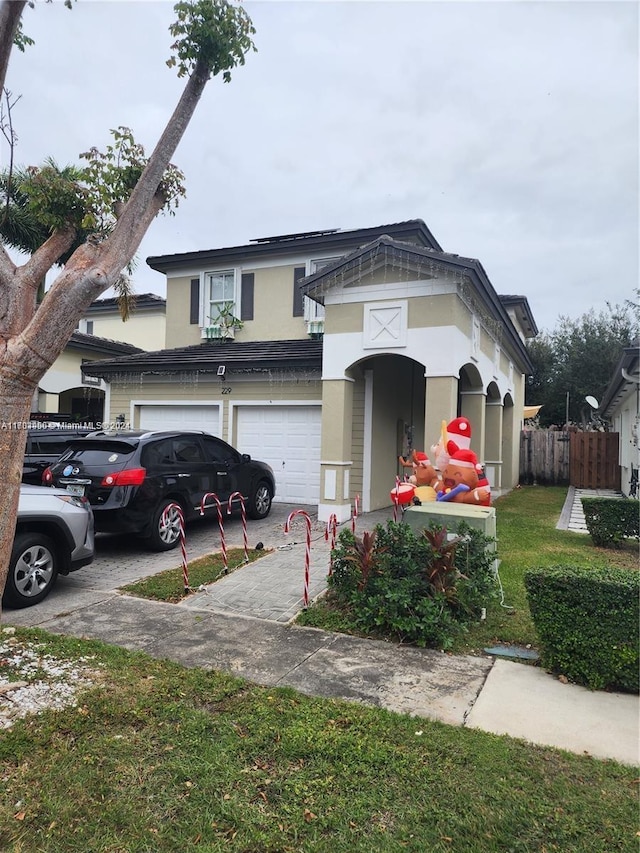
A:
[(54, 536)]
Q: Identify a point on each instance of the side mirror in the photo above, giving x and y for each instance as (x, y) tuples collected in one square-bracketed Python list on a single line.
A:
[(245, 457)]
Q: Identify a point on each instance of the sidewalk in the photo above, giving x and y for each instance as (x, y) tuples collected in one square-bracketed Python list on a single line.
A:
[(242, 624)]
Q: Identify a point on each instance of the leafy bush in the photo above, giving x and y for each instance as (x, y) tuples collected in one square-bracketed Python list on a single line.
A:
[(611, 520), (589, 624), (421, 588)]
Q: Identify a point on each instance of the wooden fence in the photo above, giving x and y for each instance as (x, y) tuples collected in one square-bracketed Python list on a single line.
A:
[(586, 460)]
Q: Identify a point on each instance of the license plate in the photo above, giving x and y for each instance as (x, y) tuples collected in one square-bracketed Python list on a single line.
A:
[(76, 490)]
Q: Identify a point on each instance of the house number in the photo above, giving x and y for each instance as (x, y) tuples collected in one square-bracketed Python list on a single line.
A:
[(226, 389)]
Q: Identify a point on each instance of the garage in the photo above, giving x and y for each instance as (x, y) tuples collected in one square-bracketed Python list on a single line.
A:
[(288, 439), (153, 416)]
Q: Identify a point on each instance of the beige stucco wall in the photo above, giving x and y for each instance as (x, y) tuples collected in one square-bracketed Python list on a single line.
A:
[(272, 309), (146, 331)]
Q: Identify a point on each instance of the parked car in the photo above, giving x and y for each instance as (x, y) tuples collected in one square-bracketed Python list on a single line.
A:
[(44, 446), (54, 536), (132, 478)]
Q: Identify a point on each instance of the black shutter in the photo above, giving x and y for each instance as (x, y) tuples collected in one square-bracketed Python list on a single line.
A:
[(194, 306), (246, 298), (298, 300)]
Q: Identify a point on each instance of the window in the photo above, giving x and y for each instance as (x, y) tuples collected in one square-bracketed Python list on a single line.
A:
[(313, 311), (220, 294)]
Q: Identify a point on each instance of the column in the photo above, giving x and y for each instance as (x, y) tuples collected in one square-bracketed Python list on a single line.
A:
[(493, 445), (335, 464)]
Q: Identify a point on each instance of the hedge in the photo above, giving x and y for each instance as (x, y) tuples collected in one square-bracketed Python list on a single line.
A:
[(611, 520), (588, 621)]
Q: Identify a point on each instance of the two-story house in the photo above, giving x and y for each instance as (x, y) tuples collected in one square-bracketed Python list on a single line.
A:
[(354, 346)]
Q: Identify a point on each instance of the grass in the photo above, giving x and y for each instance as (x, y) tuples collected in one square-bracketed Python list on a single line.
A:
[(169, 585), (526, 521), (160, 758)]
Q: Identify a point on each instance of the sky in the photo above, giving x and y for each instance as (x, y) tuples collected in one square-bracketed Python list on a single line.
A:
[(511, 128)]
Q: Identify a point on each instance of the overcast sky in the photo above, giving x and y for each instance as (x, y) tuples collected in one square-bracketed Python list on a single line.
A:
[(511, 128)]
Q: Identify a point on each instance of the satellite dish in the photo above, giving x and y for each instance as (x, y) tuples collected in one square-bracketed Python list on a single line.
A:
[(592, 402)]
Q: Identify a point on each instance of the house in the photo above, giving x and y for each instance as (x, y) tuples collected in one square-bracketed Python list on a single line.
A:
[(144, 328), (350, 348), (620, 406), (64, 393)]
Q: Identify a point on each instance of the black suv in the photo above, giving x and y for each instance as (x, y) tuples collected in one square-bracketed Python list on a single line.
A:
[(131, 477), (44, 446)]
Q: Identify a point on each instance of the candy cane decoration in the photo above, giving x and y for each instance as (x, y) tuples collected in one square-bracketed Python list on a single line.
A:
[(396, 499), (183, 543), (307, 558), (244, 521), (223, 544), (332, 525), (356, 503)]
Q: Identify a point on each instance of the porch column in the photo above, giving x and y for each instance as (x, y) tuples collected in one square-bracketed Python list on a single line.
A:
[(472, 407), (441, 404), (335, 464), (510, 451), (493, 446)]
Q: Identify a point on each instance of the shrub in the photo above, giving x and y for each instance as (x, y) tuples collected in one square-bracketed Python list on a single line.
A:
[(418, 588), (611, 520), (588, 622)]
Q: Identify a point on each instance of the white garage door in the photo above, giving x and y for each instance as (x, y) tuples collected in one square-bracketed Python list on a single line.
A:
[(288, 439), (206, 418)]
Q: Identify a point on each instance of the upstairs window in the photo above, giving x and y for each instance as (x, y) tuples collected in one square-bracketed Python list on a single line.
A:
[(220, 293), (313, 311)]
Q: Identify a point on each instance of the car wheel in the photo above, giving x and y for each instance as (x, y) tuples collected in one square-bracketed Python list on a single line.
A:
[(32, 571), (260, 501), (165, 530)]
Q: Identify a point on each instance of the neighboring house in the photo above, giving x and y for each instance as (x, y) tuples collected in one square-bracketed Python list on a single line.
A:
[(145, 327), (354, 346), (621, 407), (65, 391)]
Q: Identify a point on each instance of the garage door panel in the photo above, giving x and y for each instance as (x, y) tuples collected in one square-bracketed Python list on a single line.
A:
[(161, 417), (288, 439)]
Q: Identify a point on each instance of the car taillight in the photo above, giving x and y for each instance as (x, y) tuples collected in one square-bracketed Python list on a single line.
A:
[(47, 477), (129, 477)]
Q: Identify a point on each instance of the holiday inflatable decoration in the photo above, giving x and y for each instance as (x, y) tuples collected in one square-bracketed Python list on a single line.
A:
[(460, 482), (424, 474)]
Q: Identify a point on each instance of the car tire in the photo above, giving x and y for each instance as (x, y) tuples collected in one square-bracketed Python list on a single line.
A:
[(165, 532), (260, 501), (33, 570)]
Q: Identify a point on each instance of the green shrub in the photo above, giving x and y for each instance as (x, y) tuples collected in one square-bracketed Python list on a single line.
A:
[(418, 588), (611, 520), (589, 624)]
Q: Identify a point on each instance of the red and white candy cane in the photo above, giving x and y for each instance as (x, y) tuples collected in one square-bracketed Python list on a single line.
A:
[(244, 521), (223, 544), (307, 558), (356, 504), (396, 499), (332, 527), (167, 521)]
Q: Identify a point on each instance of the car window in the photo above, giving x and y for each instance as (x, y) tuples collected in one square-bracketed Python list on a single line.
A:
[(157, 453), (49, 446), (187, 449), (99, 453), (219, 451)]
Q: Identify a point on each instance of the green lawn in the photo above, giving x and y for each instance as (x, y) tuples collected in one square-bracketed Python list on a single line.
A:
[(160, 758)]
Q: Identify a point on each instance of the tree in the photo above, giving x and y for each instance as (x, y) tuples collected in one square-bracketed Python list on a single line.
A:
[(91, 220), (578, 358)]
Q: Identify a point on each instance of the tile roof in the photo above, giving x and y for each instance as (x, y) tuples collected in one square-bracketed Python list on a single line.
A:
[(236, 356)]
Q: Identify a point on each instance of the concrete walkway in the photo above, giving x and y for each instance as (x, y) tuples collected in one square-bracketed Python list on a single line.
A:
[(242, 624), (572, 515)]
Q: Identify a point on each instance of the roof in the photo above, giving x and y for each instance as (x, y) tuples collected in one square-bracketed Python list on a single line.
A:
[(93, 343), (330, 240), (626, 378), (139, 302), (207, 357), (385, 249), (520, 305)]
